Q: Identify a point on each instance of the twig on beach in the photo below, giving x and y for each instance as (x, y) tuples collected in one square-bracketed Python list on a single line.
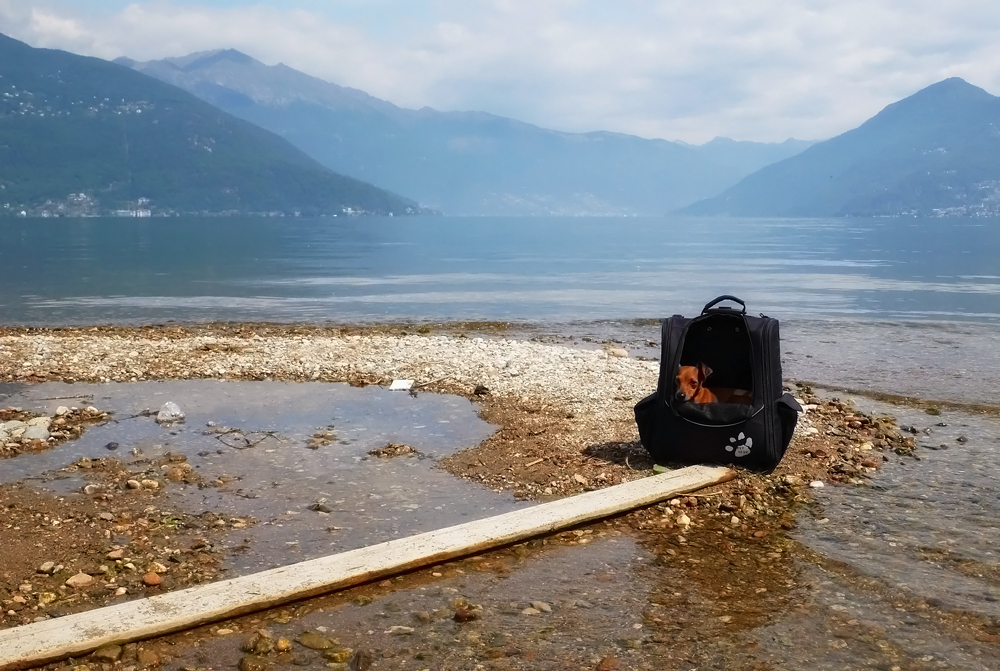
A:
[(247, 443), (427, 384), (536, 461), (64, 398)]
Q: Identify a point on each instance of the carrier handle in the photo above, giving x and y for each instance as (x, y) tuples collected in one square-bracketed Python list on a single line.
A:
[(726, 297)]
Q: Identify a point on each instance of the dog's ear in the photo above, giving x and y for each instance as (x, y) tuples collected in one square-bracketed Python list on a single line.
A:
[(703, 371)]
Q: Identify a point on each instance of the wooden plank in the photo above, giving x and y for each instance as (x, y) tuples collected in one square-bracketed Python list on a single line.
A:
[(73, 635)]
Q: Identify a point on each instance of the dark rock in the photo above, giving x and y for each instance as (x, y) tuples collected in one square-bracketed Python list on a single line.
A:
[(147, 658), (111, 446), (962, 439), (254, 663), (361, 660)]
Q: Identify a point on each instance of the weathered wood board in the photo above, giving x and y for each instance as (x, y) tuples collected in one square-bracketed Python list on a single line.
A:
[(40, 642)]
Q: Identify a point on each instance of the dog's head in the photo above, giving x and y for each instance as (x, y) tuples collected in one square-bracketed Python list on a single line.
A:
[(690, 379)]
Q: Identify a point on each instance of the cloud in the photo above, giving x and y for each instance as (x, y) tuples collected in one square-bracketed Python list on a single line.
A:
[(687, 69)]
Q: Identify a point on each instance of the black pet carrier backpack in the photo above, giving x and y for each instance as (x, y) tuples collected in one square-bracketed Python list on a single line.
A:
[(742, 354)]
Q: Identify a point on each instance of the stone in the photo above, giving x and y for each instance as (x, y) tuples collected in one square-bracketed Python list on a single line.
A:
[(399, 630), (150, 484), (618, 353), (134, 484), (816, 484), (108, 653), (541, 606), (735, 521), (80, 580), (45, 598), (314, 641), (90, 490), (48, 567), (147, 658), (35, 433), (62, 410), (111, 446), (121, 591), (259, 644), (792, 480), (962, 439), (152, 579), (44, 422), (282, 645), (609, 664), (107, 517), (531, 611), (253, 663), (683, 520), (340, 656), (170, 413), (579, 478), (116, 554)]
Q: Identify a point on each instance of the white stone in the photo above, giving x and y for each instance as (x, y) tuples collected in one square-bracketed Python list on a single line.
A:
[(37, 432), (62, 410), (816, 484), (169, 413)]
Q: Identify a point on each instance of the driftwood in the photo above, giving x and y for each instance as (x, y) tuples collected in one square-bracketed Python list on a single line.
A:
[(80, 633)]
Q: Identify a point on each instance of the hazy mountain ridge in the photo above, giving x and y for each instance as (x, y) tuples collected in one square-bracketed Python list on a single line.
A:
[(82, 136), (934, 153), (465, 162)]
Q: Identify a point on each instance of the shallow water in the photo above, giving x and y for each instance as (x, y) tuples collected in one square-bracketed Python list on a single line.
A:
[(929, 528), (597, 594), (906, 572), (372, 500)]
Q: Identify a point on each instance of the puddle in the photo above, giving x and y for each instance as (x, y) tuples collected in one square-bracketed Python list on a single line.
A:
[(276, 479)]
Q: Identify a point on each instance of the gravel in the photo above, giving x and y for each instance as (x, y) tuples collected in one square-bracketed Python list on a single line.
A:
[(602, 384)]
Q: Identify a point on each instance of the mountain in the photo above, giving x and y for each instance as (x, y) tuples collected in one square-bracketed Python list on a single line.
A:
[(83, 136), (935, 153), (464, 162)]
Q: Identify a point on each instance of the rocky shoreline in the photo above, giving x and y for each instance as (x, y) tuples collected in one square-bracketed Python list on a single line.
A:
[(565, 425)]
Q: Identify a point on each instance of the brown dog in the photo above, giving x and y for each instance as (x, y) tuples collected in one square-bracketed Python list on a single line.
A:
[(691, 387), (691, 384)]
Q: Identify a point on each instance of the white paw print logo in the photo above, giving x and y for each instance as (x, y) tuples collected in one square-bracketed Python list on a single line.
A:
[(741, 450)]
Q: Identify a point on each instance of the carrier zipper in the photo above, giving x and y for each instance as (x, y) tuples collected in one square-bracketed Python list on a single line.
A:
[(664, 347), (770, 416)]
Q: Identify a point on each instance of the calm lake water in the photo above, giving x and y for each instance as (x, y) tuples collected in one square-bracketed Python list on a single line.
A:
[(87, 271), (899, 305)]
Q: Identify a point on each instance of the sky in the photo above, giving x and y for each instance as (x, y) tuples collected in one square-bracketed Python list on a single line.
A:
[(688, 70)]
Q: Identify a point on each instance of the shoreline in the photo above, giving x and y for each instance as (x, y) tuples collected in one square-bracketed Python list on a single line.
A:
[(564, 418)]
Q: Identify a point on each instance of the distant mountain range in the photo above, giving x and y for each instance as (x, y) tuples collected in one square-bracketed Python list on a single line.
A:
[(465, 162), (935, 153), (82, 136)]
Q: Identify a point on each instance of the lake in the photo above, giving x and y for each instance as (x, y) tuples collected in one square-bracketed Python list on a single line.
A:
[(905, 306), (87, 271)]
